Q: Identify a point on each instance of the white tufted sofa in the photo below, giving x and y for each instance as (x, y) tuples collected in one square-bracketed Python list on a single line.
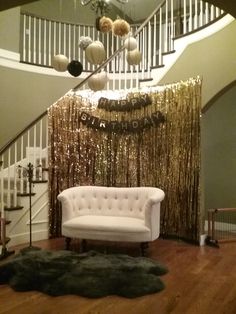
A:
[(111, 213)]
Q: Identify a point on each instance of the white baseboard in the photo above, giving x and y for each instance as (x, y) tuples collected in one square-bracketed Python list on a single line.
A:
[(23, 238)]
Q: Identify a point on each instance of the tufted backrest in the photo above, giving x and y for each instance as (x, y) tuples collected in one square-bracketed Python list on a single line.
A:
[(108, 201)]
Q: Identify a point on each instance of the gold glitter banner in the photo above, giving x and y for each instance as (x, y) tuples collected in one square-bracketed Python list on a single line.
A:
[(166, 156)]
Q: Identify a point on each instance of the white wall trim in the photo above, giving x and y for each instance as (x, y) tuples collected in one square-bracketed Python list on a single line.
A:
[(12, 60), (9, 55)]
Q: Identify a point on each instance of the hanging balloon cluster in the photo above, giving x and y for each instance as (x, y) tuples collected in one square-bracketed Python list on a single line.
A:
[(61, 64), (122, 29), (95, 52)]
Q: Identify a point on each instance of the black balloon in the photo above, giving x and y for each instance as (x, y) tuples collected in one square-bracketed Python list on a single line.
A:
[(75, 68)]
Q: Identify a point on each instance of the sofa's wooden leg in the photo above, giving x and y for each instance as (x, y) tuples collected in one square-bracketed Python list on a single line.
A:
[(68, 241), (144, 247), (83, 246)]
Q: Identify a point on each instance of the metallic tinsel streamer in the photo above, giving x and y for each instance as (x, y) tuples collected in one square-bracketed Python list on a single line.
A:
[(167, 156)]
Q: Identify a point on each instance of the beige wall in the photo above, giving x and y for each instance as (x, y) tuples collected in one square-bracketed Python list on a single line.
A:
[(24, 96), (213, 58), (219, 151), (10, 29)]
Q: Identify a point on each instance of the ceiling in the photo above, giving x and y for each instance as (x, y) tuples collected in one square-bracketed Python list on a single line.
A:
[(137, 7), (4, 5)]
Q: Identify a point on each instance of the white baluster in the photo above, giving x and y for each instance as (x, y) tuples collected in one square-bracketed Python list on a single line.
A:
[(45, 42), (24, 38), (206, 12), (160, 37), (185, 18), (201, 14), (190, 21), (27, 158), (217, 10), (40, 44), (34, 149), (59, 38), (20, 169), (40, 147), (171, 25), (54, 38), (29, 40), (144, 50), (212, 13), (34, 39), (64, 39), (166, 27), (132, 77), (195, 14), (8, 179), (75, 48), (154, 63), (69, 40), (49, 43), (149, 60), (15, 176)]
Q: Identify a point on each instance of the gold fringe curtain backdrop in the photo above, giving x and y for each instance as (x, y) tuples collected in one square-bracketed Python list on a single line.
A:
[(165, 154)]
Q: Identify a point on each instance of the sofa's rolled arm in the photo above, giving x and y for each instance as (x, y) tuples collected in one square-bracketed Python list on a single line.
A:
[(67, 206), (157, 197), (152, 212)]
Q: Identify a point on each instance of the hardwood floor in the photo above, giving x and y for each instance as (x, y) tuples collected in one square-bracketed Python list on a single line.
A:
[(201, 280)]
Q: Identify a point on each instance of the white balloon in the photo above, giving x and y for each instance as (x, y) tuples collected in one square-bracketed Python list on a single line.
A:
[(98, 81), (134, 57), (95, 53), (60, 63), (130, 43)]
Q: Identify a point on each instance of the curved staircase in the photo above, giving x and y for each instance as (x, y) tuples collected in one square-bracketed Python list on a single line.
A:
[(160, 39)]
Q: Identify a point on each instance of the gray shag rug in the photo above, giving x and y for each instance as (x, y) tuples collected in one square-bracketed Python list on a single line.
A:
[(90, 274)]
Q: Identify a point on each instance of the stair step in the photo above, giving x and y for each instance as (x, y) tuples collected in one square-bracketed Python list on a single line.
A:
[(168, 52), (9, 209), (12, 182), (157, 66), (39, 181), (25, 194), (146, 80), (6, 241)]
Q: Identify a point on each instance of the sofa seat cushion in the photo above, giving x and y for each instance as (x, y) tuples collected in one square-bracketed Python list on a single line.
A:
[(109, 223), (109, 228)]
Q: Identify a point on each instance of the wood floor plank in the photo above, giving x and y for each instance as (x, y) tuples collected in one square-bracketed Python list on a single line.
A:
[(201, 280)]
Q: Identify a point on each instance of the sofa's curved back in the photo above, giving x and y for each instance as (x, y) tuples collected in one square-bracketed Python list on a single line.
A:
[(109, 201)]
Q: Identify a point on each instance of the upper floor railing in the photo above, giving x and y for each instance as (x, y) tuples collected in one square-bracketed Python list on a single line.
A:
[(43, 38)]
